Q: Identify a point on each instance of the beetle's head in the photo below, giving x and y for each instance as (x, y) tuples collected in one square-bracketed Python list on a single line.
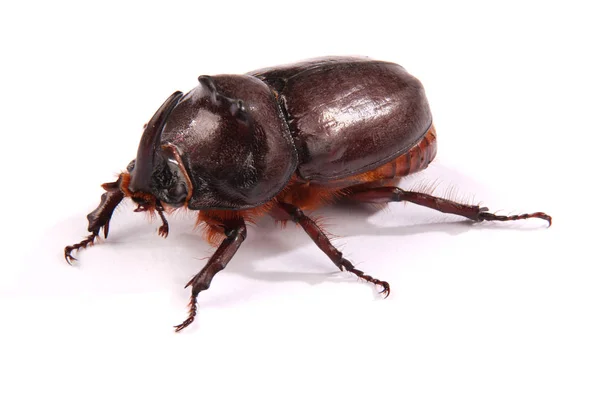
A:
[(157, 175)]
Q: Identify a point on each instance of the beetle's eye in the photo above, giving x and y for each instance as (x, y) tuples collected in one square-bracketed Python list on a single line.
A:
[(130, 166)]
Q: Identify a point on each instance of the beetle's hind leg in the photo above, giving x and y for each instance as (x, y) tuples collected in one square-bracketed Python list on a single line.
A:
[(290, 212), (473, 212), (99, 218)]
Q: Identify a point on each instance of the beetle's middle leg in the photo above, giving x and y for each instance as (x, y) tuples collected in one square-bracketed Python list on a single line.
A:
[(291, 212), (473, 212), (235, 232)]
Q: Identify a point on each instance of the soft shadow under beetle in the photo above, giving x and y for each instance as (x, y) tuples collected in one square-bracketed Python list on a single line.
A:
[(281, 141)]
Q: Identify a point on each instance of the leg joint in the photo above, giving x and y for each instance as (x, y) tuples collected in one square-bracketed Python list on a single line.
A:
[(397, 194), (294, 212), (231, 233)]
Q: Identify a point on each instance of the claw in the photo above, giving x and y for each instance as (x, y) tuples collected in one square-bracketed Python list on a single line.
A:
[(385, 290), (88, 241), (546, 217), (492, 217), (68, 257), (191, 313), (190, 319), (183, 325), (163, 231)]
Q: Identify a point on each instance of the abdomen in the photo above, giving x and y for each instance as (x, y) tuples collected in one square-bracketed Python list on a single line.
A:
[(349, 116)]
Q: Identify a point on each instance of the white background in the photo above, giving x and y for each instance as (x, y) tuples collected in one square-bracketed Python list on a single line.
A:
[(490, 311)]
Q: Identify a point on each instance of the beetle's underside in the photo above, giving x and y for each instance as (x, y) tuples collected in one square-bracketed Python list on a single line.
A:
[(227, 228)]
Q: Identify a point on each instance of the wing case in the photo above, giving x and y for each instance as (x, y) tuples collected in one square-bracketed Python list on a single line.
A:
[(348, 115)]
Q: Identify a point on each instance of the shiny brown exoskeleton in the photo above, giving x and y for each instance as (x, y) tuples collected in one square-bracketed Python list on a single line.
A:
[(281, 141)]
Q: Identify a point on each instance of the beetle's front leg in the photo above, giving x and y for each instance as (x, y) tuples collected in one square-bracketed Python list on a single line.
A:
[(99, 218), (235, 232), (291, 212)]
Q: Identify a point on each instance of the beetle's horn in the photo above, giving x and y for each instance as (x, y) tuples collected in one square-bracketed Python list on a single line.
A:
[(144, 162)]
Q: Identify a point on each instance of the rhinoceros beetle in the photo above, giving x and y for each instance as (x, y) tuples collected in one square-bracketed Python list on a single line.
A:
[(281, 141)]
